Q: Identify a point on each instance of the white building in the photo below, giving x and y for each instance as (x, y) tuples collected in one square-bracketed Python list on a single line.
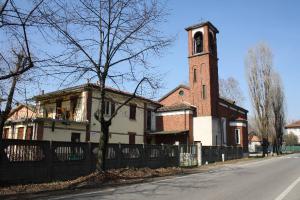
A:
[(69, 115)]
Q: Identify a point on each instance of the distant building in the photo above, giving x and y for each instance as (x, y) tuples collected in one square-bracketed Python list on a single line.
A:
[(294, 128), (254, 143)]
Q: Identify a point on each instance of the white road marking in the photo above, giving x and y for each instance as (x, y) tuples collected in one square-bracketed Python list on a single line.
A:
[(288, 189)]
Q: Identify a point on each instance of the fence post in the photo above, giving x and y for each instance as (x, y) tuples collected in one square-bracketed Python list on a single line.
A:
[(144, 160), (119, 155), (199, 153), (89, 156), (178, 152), (50, 161)]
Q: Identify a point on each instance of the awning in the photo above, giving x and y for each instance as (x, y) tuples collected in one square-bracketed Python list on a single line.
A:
[(169, 132)]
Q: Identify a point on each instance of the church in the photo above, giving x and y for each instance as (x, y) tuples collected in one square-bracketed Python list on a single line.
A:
[(195, 112), (187, 114)]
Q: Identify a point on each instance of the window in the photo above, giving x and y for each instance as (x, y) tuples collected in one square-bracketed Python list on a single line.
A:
[(58, 109), (149, 119), (211, 43), (224, 130), (198, 42), (203, 91), (112, 108), (131, 138), (107, 107), (29, 132), (73, 105), (237, 133), (5, 133), (132, 111), (181, 93), (195, 75)]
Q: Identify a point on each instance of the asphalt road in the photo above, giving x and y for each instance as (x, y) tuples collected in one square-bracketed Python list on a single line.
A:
[(271, 179)]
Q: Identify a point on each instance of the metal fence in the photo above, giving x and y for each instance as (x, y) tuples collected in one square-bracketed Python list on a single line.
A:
[(24, 161), (212, 154), (290, 149), (188, 155), (27, 161)]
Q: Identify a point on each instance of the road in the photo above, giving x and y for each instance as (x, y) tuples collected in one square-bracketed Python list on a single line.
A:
[(270, 179)]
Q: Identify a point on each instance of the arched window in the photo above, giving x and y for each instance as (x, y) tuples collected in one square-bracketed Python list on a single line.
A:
[(195, 74), (198, 42), (212, 44)]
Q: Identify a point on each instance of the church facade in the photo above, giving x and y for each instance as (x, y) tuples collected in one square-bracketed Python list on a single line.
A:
[(195, 112)]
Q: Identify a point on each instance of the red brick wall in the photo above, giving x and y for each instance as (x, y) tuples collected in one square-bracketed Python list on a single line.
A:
[(176, 123), (206, 66), (173, 122), (175, 98), (232, 115)]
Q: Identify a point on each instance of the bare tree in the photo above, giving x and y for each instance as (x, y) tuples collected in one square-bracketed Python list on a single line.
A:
[(278, 111), (16, 56), (230, 89), (109, 41), (259, 67), (290, 139)]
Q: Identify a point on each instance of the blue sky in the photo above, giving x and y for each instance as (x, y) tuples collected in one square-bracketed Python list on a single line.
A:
[(242, 24)]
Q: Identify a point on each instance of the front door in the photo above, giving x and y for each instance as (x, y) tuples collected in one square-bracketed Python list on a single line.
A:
[(20, 133), (75, 137)]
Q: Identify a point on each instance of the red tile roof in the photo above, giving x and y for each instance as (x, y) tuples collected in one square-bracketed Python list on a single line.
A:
[(295, 124), (90, 85), (177, 107)]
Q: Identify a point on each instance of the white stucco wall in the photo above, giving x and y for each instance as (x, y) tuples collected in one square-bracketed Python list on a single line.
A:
[(253, 146), (63, 132), (121, 124), (119, 129), (207, 130), (202, 129)]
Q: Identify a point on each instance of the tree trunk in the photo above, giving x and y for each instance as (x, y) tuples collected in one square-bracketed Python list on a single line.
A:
[(265, 146), (101, 162), (1, 126), (275, 146)]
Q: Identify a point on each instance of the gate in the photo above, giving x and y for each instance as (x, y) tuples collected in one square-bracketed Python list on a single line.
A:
[(188, 155)]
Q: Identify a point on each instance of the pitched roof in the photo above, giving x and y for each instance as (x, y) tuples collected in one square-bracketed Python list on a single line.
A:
[(295, 124), (79, 88), (232, 104), (202, 24), (20, 106), (176, 107), (171, 92), (254, 138)]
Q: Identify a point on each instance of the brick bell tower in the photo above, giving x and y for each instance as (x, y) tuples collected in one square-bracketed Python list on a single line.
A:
[(203, 68)]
